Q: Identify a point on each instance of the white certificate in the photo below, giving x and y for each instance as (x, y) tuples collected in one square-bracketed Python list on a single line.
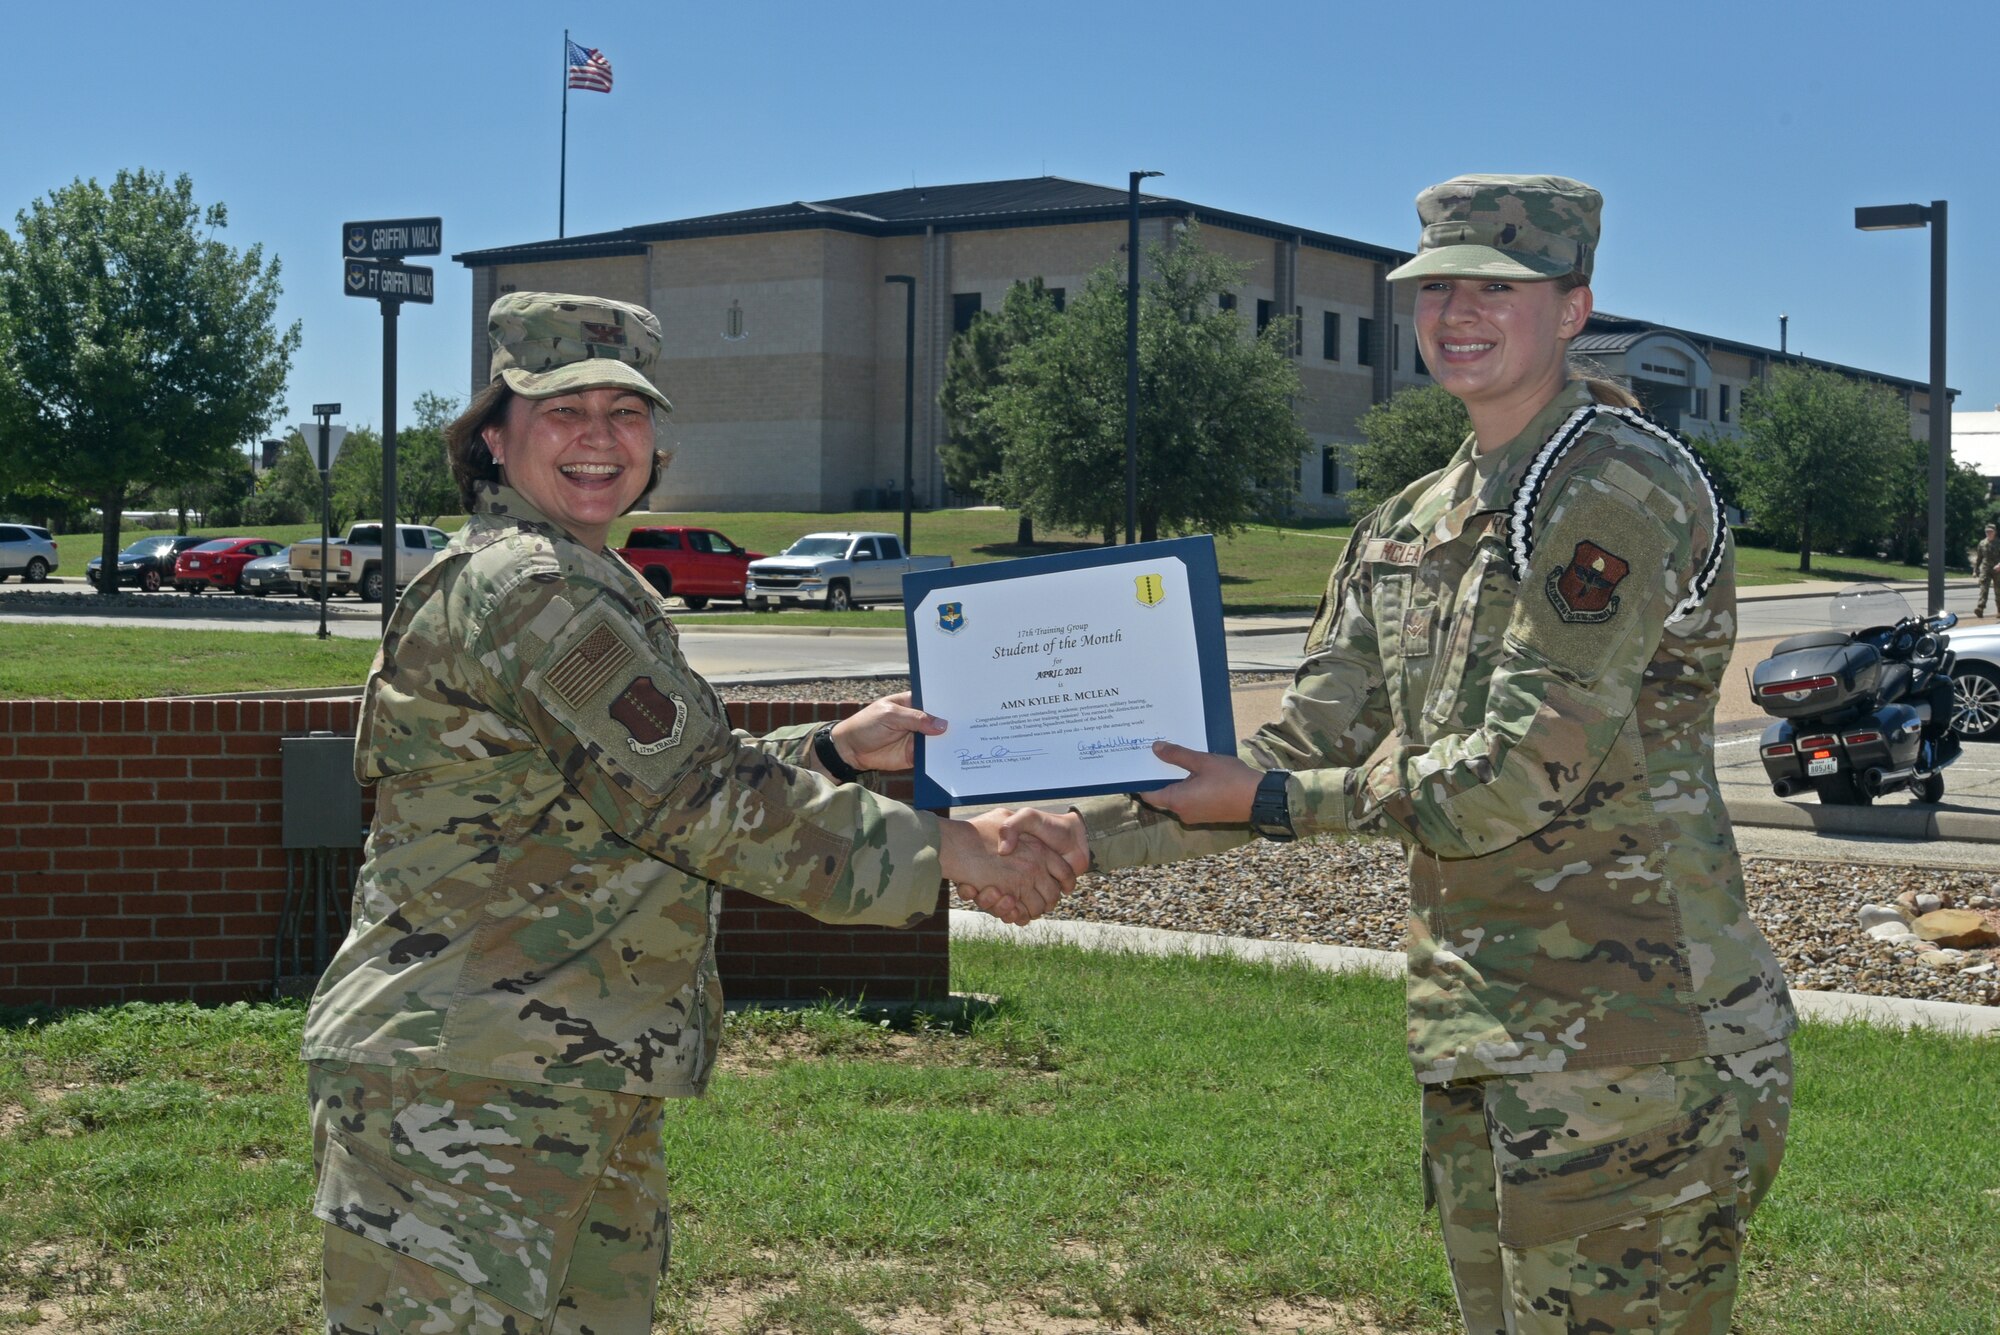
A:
[(1057, 674)]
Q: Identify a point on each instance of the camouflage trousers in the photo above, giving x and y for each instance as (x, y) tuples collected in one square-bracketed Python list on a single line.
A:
[(459, 1203), (1987, 584), (1605, 1200)]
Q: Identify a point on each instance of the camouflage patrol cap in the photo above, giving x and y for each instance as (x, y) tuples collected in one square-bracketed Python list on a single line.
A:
[(550, 343), (1520, 227)]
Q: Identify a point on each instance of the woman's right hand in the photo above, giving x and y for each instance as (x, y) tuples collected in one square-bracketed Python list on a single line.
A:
[(1016, 886)]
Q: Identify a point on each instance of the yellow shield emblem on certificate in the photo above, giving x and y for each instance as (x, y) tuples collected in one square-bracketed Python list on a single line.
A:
[(1151, 591)]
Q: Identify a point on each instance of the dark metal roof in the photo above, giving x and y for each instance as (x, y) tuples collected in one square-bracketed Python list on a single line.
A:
[(1039, 201)]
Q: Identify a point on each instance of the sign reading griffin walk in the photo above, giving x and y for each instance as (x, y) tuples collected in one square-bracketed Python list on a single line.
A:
[(385, 280), (392, 238)]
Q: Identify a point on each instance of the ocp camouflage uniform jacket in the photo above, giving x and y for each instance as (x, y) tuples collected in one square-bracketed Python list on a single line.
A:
[(1984, 554), (1515, 671), (559, 799)]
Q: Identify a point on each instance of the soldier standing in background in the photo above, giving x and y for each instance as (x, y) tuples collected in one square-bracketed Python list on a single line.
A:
[(1984, 559), (1515, 671), (559, 800)]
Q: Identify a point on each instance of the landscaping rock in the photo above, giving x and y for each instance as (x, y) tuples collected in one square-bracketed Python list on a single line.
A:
[(1893, 931), (1965, 929), (1925, 902), (1877, 915)]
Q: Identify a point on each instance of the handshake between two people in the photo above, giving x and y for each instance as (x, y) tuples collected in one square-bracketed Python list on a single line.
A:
[(1017, 864)]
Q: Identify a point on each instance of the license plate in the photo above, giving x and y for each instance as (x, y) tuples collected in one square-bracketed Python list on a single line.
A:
[(1815, 768)]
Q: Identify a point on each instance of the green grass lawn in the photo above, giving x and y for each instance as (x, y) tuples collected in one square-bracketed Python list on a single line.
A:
[(43, 659), (1175, 1144)]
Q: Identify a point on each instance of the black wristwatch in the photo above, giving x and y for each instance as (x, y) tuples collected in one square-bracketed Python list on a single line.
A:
[(830, 758), (1270, 810)]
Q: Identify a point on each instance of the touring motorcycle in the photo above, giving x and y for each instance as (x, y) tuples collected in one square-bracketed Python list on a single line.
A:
[(1862, 710)]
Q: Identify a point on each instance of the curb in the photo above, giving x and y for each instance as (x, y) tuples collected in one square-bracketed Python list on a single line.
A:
[(1114, 938), (1898, 822)]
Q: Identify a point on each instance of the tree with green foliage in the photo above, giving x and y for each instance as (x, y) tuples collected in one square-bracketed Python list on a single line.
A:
[(1722, 456), (973, 452), (1908, 537), (357, 478), (287, 491), (1413, 433), (424, 485), (1219, 442), (140, 350), (1819, 450)]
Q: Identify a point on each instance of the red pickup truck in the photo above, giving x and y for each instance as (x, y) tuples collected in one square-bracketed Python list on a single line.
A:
[(692, 564)]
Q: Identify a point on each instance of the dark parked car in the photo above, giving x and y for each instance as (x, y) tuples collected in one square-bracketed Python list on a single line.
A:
[(216, 563), (269, 574), (147, 563)]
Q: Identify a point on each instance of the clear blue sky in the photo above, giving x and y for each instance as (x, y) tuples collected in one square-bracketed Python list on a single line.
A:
[(1732, 141)]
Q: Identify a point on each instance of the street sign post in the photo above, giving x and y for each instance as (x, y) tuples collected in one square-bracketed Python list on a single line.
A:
[(372, 254), (330, 437), (392, 238)]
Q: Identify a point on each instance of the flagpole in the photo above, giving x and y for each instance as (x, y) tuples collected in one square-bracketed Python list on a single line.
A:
[(562, 181)]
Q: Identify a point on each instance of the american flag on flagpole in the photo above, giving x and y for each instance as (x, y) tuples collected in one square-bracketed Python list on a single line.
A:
[(588, 69)]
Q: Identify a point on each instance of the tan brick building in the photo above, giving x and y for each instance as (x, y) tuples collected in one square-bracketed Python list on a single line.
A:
[(783, 343)]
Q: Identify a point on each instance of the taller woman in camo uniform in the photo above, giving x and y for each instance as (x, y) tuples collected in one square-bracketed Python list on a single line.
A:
[(1514, 671)]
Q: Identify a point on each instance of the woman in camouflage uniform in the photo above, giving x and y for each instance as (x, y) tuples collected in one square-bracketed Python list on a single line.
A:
[(1514, 671), (559, 799)]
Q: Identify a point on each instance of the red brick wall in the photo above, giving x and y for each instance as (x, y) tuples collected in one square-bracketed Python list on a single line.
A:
[(140, 860)]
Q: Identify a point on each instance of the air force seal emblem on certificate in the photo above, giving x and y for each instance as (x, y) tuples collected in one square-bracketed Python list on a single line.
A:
[(951, 617), (1151, 591)]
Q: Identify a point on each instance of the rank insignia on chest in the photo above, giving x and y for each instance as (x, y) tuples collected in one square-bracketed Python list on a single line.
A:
[(652, 718), (951, 617), (1150, 590), (1585, 589), (1417, 630)]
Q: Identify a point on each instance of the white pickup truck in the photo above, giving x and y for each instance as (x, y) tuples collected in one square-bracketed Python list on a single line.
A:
[(355, 561), (837, 571)]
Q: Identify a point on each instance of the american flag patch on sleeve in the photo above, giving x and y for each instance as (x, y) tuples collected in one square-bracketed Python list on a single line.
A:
[(585, 670)]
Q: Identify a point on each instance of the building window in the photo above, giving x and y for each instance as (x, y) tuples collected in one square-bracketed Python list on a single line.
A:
[(1722, 402), (1395, 347), (1364, 345), (964, 306), (1226, 300), (1298, 331), (1329, 338), (1263, 315), (1698, 403), (1417, 356), (1329, 469), (1058, 295)]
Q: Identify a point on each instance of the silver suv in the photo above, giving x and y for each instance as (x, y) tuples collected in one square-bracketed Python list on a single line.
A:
[(27, 550)]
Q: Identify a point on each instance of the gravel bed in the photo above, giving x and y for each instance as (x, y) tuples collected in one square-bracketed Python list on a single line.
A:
[(1356, 893), (137, 602)]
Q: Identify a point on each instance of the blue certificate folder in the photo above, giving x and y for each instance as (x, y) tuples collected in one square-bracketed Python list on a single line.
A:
[(1197, 556)]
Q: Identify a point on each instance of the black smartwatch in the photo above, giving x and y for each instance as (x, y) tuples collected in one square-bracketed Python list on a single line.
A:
[(830, 758), (1270, 811)]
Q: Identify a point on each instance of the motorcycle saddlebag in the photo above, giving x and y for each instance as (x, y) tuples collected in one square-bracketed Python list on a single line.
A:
[(1812, 680)]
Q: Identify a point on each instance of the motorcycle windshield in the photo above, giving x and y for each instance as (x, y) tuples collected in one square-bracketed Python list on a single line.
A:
[(1867, 606)]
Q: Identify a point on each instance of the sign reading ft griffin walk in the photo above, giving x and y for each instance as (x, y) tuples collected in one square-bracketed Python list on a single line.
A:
[(373, 252)]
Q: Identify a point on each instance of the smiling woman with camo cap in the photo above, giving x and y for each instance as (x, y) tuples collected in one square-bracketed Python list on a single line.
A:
[(559, 800), (1515, 671)]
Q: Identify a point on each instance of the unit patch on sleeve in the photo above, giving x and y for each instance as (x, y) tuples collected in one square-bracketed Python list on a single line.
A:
[(652, 718), (1585, 589)]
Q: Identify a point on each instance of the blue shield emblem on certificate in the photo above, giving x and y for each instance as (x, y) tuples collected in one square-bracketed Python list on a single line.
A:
[(951, 617)]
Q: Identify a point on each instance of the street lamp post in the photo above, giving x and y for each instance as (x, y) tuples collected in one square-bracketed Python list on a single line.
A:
[(1891, 217), (1132, 361), (909, 388)]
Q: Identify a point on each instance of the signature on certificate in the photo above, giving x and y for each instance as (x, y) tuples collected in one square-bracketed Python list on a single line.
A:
[(974, 755), (1095, 746)]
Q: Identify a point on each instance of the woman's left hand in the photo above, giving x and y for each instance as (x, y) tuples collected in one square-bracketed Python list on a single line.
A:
[(1217, 791), (883, 736)]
